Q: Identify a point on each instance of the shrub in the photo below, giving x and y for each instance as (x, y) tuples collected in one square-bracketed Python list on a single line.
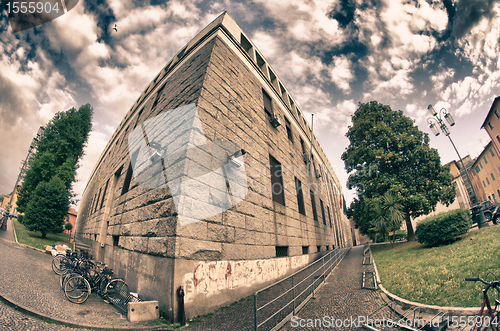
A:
[(399, 235), (20, 218), (444, 227)]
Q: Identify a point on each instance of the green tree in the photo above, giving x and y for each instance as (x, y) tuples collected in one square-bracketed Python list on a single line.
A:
[(48, 207), (387, 152), (58, 151)]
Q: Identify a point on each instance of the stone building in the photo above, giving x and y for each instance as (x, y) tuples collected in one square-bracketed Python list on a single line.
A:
[(213, 181)]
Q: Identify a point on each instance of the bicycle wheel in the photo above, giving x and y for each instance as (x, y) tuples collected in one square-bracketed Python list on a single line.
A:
[(117, 289), (60, 263), (77, 289)]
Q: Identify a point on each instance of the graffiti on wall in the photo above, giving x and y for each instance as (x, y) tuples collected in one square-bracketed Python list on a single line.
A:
[(209, 278)]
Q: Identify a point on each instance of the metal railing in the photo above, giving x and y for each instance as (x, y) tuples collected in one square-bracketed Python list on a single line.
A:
[(281, 300)]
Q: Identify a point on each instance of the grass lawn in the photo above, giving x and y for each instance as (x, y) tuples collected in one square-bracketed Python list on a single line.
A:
[(33, 238), (435, 275)]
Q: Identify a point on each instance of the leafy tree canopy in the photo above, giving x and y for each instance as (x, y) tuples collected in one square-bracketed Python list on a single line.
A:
[(387, 152), (58, 152), (47, 208)]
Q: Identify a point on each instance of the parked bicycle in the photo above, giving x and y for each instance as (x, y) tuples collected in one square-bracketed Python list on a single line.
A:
[(488, 317), (79, 284)]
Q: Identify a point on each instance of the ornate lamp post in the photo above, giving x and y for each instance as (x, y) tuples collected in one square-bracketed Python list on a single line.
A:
[(435, 123)]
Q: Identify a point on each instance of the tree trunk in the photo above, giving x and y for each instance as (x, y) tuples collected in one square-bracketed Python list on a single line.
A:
[(409, 227), (44, 235)]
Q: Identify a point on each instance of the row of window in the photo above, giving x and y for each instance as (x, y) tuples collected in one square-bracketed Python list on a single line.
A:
[(479, 166), (282, 251), (278, 192)]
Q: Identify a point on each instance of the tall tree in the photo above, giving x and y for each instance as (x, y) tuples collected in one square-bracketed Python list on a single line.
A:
[(58, 151), (387, 152), (48, 207)]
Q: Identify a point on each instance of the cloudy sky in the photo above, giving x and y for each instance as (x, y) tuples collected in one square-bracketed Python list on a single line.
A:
[(330, 55)]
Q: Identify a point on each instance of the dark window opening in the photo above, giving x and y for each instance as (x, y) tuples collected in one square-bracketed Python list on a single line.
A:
[(305, 249), (277, 181), (288, 129), (97, 200), (313, 204), (302, 144), (497, 114), (322, 211), (327, 248), (104, 194), (128, 178), (319, 248), (260, 61), (300, 196), (116, 240), (329, 215), (281, 251), (268, 105), (95, 237), (245, 43)]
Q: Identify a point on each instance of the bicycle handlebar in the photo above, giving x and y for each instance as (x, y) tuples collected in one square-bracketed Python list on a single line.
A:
[(495, 284)]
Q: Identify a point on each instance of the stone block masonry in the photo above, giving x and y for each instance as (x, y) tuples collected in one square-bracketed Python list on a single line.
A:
[(197, 188)]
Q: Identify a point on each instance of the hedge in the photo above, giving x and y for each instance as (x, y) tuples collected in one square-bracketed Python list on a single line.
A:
[(444, 227)]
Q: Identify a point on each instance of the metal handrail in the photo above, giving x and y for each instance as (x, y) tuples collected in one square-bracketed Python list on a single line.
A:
[(328, 262)]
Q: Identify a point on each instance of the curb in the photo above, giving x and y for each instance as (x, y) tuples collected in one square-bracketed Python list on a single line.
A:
[(31, 312), (430, 309)]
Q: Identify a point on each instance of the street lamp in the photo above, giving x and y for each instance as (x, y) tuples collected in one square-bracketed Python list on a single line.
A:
[(436, 122)]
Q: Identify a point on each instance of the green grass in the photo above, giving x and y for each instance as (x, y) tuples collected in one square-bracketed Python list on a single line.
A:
[(435, 275), (33, 238)]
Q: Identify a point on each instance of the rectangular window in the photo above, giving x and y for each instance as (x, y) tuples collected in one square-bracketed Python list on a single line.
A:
[(477, 169), (492, 176), (329, 216), (288, 129), (485, 161), (268, 104), (300, 196), (498, 138), (484, 184), (302, 144), (480, 165), (487, 181), (305, 249), (116, 240), (497, 114), (319, 248), (491, 152), (277, 181), (104, 194), (281, 251), (322, 211), (489, 124), (128, 178), (313, 204)]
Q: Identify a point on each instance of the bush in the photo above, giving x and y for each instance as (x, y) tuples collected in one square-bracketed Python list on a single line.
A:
[(399, 235), (444, 227), (20, 218)]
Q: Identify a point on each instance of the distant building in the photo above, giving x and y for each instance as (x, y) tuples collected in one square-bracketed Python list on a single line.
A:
[(213, 181), (70, 218), (486, 174), (462, 198), (492, 124)]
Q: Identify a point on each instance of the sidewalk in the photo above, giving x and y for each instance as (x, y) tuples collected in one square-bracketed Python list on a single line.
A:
[(28, 282), (341, 299)]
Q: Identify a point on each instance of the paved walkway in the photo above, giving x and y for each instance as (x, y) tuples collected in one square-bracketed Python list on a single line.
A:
[(28, 282), (341, 299)]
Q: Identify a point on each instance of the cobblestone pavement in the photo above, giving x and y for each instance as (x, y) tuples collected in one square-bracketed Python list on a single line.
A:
[(341, 299), (27, 281)]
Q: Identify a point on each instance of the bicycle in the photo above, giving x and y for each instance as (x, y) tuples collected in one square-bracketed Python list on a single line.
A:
[(486, 318), (78, 286)]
